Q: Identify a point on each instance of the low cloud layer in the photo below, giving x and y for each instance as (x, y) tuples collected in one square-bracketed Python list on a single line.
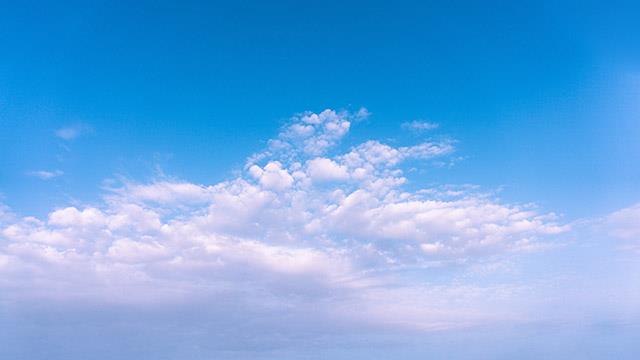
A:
[(624, 225), (307, 225)]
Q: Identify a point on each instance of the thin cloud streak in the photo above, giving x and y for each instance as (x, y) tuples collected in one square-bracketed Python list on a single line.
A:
[(46, 175)]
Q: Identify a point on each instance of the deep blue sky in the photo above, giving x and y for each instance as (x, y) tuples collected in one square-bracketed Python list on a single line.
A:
[(531, 90)]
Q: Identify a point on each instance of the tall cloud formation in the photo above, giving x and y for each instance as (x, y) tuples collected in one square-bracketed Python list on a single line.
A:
[(303, 224)]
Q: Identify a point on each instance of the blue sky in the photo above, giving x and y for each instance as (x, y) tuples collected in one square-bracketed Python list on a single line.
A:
[(418, 176)]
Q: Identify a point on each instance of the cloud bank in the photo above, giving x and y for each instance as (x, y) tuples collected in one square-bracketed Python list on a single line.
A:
[(307, 224)]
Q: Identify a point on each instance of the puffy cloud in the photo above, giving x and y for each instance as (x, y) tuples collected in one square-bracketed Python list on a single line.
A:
[(375, 154), (309, 134), (298, 222), (272, 176), (456, 227), (372, 153), (73, 217), (323, 169), (31, 230)]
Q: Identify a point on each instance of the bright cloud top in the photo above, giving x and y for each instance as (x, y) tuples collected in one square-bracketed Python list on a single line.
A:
[(303, 218)]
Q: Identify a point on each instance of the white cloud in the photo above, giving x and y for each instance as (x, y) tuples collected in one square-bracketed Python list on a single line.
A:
[(46, 175), (309, 134), (73, 217), (298, 223), (427, 150), (461, 227), (419, 126), (624, 225), (73, 131), (166, 192), (132, 251), (323, 169), (272, 176)]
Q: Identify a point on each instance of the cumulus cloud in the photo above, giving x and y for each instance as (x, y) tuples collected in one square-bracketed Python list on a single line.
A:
[(272, 176), (323, 169), (309, 134), (299, 221)]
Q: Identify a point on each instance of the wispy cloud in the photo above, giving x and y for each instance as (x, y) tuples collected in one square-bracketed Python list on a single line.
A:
[(419, 126), (73, 131), (624, 225), (46, 175)]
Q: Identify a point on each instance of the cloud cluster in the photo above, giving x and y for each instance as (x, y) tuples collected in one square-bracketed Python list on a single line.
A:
[(298, 223)]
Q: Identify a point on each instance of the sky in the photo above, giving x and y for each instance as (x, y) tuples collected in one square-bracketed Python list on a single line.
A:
[(319, 180)]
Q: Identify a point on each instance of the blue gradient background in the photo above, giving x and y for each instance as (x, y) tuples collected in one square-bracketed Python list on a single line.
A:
[(543, 98)]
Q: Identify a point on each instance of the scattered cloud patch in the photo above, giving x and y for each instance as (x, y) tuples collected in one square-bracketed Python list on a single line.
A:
[(46, 175), (74, 131), (419, 126), (309, 134), (624, 225)]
